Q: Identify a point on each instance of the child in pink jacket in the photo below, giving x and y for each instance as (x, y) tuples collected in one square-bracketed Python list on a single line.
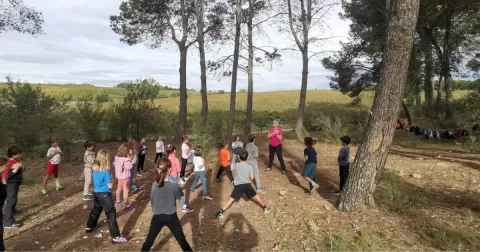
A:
[(174, 174), (123, 165)]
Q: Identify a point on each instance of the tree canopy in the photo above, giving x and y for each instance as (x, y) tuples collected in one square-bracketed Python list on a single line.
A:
[(16, 16)]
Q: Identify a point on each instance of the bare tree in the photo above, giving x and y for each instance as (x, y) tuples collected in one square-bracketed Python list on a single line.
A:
[(372, 153), (303, 16)]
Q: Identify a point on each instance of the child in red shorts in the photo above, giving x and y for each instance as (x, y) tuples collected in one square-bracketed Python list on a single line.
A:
[(54, 156)]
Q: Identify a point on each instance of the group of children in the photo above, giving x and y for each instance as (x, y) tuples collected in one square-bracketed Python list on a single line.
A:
[(241, 166)]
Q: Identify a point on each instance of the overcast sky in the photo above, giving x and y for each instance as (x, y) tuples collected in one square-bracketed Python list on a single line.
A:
[(79, 47)]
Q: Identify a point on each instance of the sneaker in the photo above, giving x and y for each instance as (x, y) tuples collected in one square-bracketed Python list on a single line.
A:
[(90, 193), (118, 202), (134, 188), (266, 210), (139, 174), (268, 169), (128, 208), (219, 214), (219, 180), (12, 226), (260, 190), (89, 230), (119, 239), (44, 192), (315, 187), (207, 198), (187, 209), (337, 192), (59, 188), (87, 197), (284, 172)]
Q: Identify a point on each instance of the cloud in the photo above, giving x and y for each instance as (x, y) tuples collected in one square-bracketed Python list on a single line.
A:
[(79, 47)]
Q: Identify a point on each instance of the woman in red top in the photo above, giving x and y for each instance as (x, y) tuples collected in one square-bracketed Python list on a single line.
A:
[(276, 136)]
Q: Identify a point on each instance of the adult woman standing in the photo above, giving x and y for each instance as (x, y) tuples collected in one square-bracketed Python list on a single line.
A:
[(275, 135)]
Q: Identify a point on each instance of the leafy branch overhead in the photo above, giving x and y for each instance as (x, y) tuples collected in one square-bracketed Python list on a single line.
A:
[(16, 16)]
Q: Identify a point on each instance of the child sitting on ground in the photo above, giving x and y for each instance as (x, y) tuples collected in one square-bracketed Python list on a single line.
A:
[(54, 156), (243, 176), (344, 162), (200, 173), (309, 170)]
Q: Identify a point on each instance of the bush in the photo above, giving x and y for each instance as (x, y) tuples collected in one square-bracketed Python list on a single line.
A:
[(174, 94)]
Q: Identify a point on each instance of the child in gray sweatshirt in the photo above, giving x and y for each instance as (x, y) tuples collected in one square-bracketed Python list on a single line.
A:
[(252, 159)]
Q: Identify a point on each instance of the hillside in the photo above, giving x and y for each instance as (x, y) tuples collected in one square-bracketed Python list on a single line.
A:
[(268, 101)]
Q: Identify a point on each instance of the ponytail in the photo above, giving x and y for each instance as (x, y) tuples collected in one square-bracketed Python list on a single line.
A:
[(171, 148), (163, 171)]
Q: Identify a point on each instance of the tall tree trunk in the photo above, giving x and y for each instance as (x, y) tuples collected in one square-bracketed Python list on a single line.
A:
[(449, 113), (372, 153), (428, 76), (182, 114), (438, 101), (199, 5), (407, 111), (418, 95), (248, 117), (300, 130), (236, 52)]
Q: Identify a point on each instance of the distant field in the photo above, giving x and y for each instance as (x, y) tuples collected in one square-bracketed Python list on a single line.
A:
[(269, 101)]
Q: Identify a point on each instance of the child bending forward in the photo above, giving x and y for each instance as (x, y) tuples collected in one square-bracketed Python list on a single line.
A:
[(243, 176)]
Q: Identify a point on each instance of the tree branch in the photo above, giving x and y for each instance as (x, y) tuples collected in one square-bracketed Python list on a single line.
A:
[(290, 21)]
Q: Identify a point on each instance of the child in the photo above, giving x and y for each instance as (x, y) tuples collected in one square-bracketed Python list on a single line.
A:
[(310, 156), (89, 159), (344, 162), (142, 152), (3, 196), (224, 157), (252, 160), (243, 173), (174, 174), (164, 196), (132, 154), (237, 147), (191, 154), (159, 149), (54, 156), (185, 152), (102, 196), (13, 175), (200, 173), (122, 164)]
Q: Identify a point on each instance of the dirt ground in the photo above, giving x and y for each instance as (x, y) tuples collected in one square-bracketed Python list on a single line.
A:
[(447, 185)]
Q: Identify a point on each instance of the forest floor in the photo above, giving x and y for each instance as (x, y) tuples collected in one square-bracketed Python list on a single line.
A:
[(429, 199)]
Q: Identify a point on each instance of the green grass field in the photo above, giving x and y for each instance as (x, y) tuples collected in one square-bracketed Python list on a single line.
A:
[(268, 101)]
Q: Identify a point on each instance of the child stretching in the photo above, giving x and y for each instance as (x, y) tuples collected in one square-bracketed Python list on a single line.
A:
[(224, 157), (89, 159), (200, 173), (3, 196), (163, 197), (132, 154), (102, 196), (344, 162), (243, 173), (54, 156), (252, 160), (185, 152), (309, 171), (122, 164), (13, 175), (175, 173)]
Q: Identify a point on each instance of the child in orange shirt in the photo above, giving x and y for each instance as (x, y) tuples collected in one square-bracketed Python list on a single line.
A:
[(224, 156)]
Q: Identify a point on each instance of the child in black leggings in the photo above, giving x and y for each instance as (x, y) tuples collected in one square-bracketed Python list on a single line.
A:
[(164, 197)]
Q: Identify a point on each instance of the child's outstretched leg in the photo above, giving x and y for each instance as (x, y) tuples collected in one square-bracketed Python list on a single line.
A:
[(195, 182), (203, 177), (257, 199), (126, 190), (227, 205)]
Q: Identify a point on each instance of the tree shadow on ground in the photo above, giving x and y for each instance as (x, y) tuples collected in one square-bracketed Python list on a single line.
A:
[(429, 156), (432, 213)]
